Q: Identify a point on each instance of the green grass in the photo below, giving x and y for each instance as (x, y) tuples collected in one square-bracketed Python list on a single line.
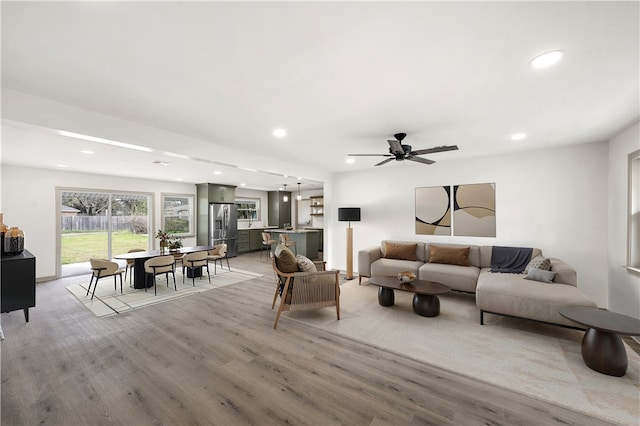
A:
[(80, 247)]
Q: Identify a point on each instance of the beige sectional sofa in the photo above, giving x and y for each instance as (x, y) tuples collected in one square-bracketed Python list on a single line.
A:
[(497, 293)]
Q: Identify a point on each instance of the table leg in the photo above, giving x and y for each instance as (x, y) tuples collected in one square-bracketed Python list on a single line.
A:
[(604, 352), (386, 296), (139, 277), (426, 305)]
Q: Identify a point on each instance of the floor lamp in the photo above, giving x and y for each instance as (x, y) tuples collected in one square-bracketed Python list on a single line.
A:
[(349, 214)]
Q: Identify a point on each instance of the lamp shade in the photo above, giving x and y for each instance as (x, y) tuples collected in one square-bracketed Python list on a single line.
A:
[(349, 214)]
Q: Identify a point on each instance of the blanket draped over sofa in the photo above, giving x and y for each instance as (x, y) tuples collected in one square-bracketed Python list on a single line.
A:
[(536, 295)]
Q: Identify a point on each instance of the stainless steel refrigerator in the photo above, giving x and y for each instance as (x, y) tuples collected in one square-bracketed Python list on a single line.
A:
[(223, 226)]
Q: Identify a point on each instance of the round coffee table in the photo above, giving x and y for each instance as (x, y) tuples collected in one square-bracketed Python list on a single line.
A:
[(425, 299), (602, 348)]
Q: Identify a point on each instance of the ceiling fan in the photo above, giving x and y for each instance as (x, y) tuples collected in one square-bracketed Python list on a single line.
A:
[(400, 152)]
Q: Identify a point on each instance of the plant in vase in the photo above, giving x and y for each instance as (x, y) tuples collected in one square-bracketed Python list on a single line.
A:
[(164, 239), (175, 243)]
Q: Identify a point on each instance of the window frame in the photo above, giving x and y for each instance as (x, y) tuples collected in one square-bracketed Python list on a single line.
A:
[(257, 209), (191, 217), (633, 213)]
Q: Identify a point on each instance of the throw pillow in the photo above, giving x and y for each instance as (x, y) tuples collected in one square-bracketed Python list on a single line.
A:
[(400, 251), (285, 259), (449, 255), (540, 275), (305, 264), (538, 262)]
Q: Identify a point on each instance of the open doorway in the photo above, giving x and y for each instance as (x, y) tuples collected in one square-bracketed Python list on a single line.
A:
[(100, 225)]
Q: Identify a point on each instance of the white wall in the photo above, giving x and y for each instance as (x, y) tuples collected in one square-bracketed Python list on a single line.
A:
[(28, 200), (553, 199), (624, 285)]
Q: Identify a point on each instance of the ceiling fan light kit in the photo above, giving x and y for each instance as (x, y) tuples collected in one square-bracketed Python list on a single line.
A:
[(400, 152)]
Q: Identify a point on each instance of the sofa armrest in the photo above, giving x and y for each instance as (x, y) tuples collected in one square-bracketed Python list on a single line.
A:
[(565, 274), (365, 258)]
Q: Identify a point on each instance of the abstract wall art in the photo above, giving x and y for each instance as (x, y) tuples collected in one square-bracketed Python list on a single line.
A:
[(433, 210), (474, 210)]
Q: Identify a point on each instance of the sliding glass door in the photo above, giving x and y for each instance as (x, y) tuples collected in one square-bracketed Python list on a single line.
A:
[(102, 224)]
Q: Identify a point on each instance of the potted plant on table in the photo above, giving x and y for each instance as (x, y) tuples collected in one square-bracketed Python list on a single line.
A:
[(175, 243), (164, 240)]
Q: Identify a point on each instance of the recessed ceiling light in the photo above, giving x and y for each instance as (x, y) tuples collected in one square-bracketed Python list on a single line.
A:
[(350, 160), (279, 133), (546, 59), (162, 163), (62, 165), (179, 179), (86, 151), (518, 136), (217, 172), (243, 184)]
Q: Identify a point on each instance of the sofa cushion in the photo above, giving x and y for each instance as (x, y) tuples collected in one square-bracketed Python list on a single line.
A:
[(512, 294), (461, 278), (449, 255), (285, 259), (474, 252), (305, 264), (420, 251), (540, 275), (391, 267), (401, 251), (538, 262)]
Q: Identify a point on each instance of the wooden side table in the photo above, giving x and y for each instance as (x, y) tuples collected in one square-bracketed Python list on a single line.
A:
[(602, 348), (18, 283)]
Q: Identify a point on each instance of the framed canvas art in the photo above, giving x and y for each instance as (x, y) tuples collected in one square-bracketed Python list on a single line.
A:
[(433, 210)]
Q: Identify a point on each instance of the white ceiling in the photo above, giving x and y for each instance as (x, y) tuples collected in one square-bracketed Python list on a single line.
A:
[(340, 77)]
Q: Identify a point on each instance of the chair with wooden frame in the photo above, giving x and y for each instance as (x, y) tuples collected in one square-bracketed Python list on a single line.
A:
[(193, 262), (161, 265), (101, 268), (284, 239), (267, 242), (217, 253), (305, 290)]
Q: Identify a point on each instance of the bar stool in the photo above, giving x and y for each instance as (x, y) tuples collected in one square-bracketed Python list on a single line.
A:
[(284, 239), (266, 244)]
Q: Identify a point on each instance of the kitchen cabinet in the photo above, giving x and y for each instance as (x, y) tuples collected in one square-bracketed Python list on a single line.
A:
[(279, 210), (18, 285), (256, 239), (244, 240), (222, 193)]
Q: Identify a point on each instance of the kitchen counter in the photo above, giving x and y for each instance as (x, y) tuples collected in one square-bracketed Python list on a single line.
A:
[(307, 241)]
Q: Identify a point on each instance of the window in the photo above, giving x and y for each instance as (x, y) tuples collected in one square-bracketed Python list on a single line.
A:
[(178, 214), (633, 224), (248, 209)]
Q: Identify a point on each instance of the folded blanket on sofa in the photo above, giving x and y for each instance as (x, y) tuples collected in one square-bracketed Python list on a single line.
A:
[(511, 260)]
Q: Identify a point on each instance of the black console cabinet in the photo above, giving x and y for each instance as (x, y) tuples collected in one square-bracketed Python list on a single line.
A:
[(18, 283)]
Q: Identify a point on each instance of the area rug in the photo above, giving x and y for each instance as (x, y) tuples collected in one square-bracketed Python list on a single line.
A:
[(539, 360), (108, 302)]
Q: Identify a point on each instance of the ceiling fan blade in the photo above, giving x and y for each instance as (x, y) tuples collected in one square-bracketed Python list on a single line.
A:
[(384, 161), (420, 160), (436, 149), (395, 147), (369, 155)]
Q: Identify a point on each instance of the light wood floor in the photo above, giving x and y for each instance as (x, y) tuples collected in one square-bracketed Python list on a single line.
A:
[(214, 358)]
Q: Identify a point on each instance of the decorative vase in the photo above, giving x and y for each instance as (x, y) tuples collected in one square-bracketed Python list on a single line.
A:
[(3, 230), (14, 241), (163, 247)]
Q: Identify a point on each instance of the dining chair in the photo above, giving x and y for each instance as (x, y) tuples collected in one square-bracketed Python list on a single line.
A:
[(216, 254), (101, 268), (267, 242), (193, 262), (160, 265), (130, 265), (284, 239)]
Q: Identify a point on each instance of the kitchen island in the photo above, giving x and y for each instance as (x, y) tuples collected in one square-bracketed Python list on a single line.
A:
[(307, 240)]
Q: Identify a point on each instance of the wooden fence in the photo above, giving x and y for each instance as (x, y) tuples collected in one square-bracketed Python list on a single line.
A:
[(135, 224)]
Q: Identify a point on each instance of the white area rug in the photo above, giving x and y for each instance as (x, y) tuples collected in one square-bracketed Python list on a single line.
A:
[(540, 360), (108, 301)]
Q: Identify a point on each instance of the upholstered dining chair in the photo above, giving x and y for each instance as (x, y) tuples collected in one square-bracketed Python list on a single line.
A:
[(161, 265), (101, 268), (267, 242), (130, 265), (284, 239), (193, 262), (217, 253)]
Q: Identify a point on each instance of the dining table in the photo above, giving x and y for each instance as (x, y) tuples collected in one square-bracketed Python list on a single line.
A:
[(140, 280)]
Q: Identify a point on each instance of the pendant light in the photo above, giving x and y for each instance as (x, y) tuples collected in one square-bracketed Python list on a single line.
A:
[(285, 198), (299, 197)]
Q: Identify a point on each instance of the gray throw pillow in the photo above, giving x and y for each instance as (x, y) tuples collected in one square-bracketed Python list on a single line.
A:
[(305, 264), (540, 275), (538, 262)]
